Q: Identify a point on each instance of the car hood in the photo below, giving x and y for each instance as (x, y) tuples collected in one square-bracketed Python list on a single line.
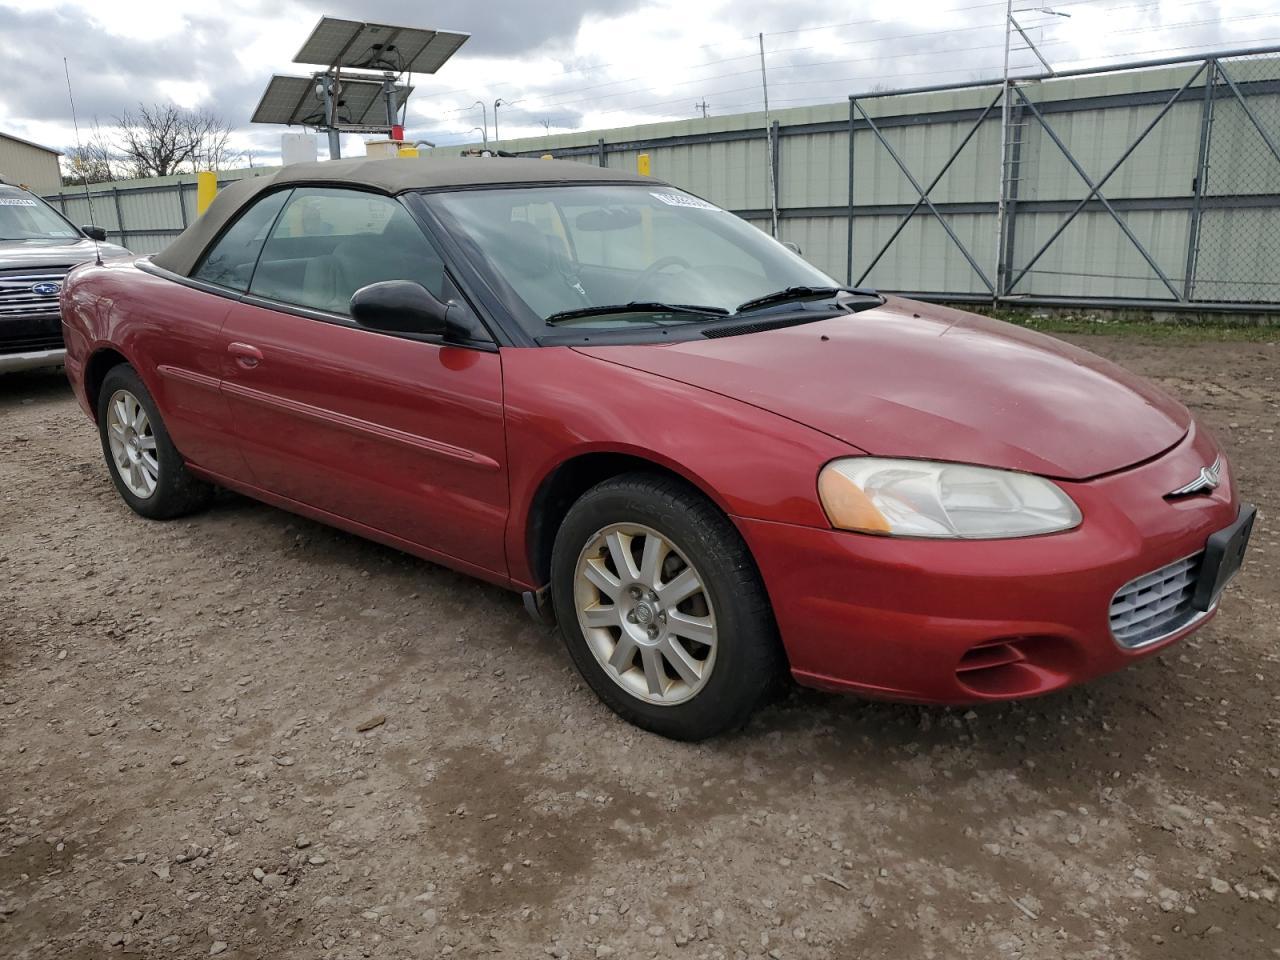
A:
[(18, 254), (912, 380)]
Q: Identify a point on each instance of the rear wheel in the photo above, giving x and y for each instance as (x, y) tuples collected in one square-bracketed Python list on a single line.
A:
[(662, 608), (146, 468)]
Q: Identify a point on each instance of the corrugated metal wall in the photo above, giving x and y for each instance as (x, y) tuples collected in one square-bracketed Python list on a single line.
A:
[(144, 215), (1097, 118)]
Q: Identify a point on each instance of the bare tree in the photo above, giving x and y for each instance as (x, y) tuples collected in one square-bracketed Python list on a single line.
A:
[(158, 139), (92, 162)]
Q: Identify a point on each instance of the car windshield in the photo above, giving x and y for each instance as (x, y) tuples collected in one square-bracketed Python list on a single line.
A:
[(24, 217), (628, 249)]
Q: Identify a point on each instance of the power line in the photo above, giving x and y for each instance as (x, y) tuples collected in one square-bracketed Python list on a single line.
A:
[(560, 102), (604, 66), (818, 100), (977, 6), (559, 99), (751, 56)]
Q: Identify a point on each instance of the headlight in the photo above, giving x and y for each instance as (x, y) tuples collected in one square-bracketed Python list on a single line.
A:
[(920, 498)]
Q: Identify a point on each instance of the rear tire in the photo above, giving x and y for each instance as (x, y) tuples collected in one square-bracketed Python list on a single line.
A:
[(662, 608), (145, 467)]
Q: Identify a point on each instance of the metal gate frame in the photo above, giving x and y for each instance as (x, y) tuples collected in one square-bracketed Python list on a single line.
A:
[(924, 192), (1008, 275), (1095, 189)]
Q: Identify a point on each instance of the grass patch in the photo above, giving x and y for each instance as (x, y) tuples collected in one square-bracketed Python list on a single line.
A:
[(1187, 332)]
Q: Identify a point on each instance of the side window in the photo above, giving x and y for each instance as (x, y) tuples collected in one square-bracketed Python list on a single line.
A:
[(329, 242), (229, 262)]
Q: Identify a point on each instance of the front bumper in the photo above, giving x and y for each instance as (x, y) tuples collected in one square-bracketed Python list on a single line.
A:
[(967, 621), (31, 360), (30, 340)]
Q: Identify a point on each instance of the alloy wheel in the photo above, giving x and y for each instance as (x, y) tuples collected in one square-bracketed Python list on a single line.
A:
[(133, 444), (645, 613)]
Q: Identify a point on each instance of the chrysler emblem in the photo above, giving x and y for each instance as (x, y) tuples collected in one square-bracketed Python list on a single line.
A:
[(1209, 479), (46, 288)]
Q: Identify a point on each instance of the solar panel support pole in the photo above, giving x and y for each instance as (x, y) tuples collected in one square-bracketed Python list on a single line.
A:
[(330, 110), (389, 92)]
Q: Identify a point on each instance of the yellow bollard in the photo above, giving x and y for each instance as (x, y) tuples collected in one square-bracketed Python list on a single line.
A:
[(206, 190), (646, 215), (407, 152)]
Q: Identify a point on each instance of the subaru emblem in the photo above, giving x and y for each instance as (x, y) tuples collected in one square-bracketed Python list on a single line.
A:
[(46, 288)]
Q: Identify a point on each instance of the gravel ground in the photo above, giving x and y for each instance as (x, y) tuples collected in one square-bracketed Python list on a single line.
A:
[(247, 735)]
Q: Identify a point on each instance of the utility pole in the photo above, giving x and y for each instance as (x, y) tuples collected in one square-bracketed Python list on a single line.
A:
[(484, 110), (768, 127), (496, 104), (1002, 199), (703, 107), (1006, 92)]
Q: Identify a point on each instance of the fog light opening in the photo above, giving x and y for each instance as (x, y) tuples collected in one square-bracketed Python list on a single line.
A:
[(1011, 667)]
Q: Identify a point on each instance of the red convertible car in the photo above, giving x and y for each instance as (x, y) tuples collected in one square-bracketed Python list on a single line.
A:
[(708, 461)]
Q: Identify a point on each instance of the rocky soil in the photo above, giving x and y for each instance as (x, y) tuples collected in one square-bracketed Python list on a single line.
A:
[(246, 735)]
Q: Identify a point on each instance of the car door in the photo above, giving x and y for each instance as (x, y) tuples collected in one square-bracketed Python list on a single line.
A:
[(401, 434), (177, 334)]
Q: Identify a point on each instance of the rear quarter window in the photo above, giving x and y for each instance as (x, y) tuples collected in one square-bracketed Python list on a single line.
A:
[(230, 260)]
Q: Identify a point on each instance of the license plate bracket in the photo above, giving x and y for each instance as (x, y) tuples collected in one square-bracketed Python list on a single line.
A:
[(1223, 556)]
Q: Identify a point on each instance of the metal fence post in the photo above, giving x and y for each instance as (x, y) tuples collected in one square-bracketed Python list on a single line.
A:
[(604, 160), (182, 203), (119, 216), (774, 168), (848, 271), (1005, 270), (1198, 183)]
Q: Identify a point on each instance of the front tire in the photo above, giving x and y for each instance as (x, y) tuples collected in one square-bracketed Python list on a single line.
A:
[(145, 467), (662, 608)]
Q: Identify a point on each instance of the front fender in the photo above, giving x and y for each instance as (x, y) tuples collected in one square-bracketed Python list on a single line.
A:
[(561, 404)]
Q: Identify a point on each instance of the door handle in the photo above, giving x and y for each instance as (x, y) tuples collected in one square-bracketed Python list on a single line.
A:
[(246, 354)]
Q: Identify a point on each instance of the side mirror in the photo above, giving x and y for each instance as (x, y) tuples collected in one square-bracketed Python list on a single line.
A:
[(93, 233), (400, 306)]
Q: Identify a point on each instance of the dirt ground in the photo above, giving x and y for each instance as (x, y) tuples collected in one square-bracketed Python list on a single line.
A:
[(186, 769)]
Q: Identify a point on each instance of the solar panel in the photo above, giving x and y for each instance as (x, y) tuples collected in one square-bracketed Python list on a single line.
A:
[(285, 98), (378, 46), (294, 101)]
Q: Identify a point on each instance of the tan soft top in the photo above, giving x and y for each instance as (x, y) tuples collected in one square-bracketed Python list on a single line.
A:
[(392, 176)]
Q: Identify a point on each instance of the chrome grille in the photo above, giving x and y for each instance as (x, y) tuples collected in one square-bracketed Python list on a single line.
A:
[(1155, 604), (17, 299)]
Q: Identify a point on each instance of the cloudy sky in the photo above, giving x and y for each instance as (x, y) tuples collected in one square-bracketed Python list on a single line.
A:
[(569, 64)]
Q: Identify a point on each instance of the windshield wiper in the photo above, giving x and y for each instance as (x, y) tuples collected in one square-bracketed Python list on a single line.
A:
[(797, 293), (636, 306)]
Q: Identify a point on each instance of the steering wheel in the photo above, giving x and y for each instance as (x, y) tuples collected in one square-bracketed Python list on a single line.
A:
[(654, 269)]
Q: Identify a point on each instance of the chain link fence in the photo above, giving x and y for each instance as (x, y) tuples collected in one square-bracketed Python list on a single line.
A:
[(1238, 242)]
